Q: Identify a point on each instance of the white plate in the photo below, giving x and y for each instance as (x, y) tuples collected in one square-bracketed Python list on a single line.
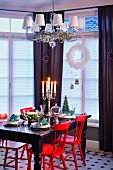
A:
[(14, 123), (67, 117), (34, 125)]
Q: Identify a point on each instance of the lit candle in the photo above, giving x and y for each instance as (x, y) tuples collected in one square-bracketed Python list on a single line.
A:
[(46, 86), (42, 86), (48, 83), (51, 87), (54, 86)]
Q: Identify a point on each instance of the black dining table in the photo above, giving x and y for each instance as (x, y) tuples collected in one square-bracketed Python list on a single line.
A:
[(36, 138)]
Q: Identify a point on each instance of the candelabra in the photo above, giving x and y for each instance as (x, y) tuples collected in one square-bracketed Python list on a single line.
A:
[(50, 92)]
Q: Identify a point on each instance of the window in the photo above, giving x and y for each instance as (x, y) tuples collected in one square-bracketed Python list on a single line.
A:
[(84, 94), (16, 67)]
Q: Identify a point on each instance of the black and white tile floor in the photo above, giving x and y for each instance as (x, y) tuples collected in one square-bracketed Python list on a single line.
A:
[(94, 161)]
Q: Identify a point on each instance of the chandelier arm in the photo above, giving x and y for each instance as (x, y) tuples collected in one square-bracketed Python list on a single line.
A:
[(52, 15)]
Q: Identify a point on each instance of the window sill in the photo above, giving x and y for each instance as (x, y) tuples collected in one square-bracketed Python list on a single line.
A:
[(93, 124)]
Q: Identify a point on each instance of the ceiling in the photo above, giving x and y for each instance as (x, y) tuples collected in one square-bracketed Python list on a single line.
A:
[(46, 5)]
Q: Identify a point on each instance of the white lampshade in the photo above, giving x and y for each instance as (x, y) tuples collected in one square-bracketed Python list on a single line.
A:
[(48, 27), (35, 28), (64, 27), (81, 23), (40, 20), (73, 22), (58, 20), (27, 23)]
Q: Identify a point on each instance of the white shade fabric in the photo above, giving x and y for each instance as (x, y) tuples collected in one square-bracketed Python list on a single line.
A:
[(27, 22), (64, 27), (40, 20), (35, 28), (81, 23), (73, 22), (58, 20)]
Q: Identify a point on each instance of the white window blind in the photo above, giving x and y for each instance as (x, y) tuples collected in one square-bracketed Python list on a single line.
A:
[(4, 25), (91, 79), (4, 74), (85, 95), (69, 77), (16, 65), (22, 74)]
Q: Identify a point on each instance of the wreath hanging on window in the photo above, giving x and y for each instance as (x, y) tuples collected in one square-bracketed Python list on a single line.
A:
[(84, 59)]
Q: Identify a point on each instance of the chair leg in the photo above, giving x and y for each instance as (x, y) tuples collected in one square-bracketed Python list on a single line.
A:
[(23, 149), (52, 164), (81, 153), (22, 152), (44, 163), (29, 156), (16, 159), (5, 159), (74, 155), (63, 161)]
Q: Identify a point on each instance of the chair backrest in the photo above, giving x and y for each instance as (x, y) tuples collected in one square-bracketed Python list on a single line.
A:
[(27, 109), (3, 116), (63, 131), (80, 121)]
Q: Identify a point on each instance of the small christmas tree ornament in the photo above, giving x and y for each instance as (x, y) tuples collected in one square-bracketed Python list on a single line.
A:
[(71, 86), (65, 107), (76, 81)]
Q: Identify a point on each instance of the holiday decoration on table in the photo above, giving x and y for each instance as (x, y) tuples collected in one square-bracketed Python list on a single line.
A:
[(65, 107), (29, 113)]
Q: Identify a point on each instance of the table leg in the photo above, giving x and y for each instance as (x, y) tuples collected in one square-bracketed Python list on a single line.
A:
[(37, 149), (37, 164)]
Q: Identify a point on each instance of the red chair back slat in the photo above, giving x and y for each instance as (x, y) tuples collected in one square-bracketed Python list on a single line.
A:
[(3, 116), (63, 128), (80, 120), (27, 109)]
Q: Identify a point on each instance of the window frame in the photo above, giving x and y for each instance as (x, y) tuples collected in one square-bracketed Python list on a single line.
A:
[(86, 13), (10, 36)]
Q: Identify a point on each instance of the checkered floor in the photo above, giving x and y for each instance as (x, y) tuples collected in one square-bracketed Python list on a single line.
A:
[(94, 161)]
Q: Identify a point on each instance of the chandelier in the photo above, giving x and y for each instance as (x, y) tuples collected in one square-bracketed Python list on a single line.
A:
[(55, 30)]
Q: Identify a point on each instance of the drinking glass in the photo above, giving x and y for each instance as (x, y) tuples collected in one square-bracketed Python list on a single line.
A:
[(74, 106), (42, 107), (26, 118)]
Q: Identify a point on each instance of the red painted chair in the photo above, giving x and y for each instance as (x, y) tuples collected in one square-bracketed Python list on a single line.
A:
[(10, 145), (76, 140), (27, 109), (3, 117), (55, 150)]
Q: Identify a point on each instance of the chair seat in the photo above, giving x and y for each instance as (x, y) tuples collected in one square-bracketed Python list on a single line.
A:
[(48, 150), (12, 145)]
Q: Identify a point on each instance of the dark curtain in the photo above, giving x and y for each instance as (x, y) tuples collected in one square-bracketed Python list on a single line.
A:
[(105, 15), (48, 62)]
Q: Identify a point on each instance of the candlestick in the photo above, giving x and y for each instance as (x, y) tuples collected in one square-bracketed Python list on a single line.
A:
[(49, 94), (51, 87), (42, 86), (54, 86), (48, 82), (46, 86)]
